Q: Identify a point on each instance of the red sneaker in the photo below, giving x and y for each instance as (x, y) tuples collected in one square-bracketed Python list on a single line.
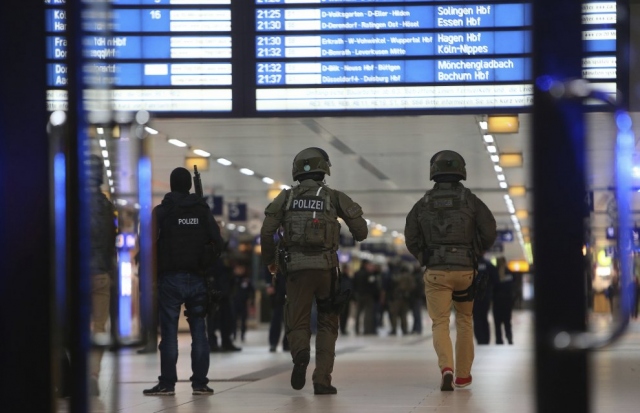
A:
[(463, 381), (447, 379)]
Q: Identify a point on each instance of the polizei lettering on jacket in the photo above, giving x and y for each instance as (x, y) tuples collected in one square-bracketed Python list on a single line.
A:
[(310, 203), (187, 221)]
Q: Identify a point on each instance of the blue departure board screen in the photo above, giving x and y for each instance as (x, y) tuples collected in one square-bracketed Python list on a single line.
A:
[(316, 56), (159, 55), (340, 55)]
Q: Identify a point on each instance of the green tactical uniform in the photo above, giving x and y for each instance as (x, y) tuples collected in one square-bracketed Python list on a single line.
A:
[(309, 215)]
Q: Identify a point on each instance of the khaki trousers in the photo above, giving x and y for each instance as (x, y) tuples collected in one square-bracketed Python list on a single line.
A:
[(100, 296), (439, 286), (302, 287)]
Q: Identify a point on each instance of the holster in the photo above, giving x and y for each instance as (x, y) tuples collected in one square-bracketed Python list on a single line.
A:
[(337, 301)]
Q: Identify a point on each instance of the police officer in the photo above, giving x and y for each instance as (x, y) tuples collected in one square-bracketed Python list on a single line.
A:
[(188, 241), (309, 214), (447, 231)]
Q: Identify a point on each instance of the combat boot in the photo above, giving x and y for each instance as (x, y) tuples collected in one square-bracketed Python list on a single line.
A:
[(322, 389), (299, 373)]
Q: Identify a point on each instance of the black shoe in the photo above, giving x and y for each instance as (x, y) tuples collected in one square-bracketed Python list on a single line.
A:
[(214, 349), (299, 373), (322, 389), (230, 347), (159, 390), (272, 349), (202, 391)]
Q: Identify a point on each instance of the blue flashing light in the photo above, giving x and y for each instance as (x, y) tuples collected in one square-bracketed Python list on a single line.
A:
[(544, 83)]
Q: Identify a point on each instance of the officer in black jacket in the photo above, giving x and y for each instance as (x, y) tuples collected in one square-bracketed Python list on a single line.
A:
[(187, 241)]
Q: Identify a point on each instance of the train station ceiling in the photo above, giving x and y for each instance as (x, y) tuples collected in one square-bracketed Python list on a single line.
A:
[(381, 162)]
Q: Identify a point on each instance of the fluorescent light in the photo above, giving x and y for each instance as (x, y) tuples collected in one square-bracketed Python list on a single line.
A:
[(224, 162), (394, 233), (113, 190), (177, 143), (285, 187), (507, 197), (105, 154), (231, 226), (100, 130), (483, 125), (201, 153), (103, 143), (267, 180), (242, 228), (488, 138), (503, 185), (246, 171), (111, 182), (511, 209), (495, 158), (492, 149), (107, 163), (501, 177), (150, 130), (109, 173), (497, 168), (514, 218)]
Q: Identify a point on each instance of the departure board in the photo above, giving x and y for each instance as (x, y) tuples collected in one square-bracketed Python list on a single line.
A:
[(314, 56), (320, 55), (160, 55)]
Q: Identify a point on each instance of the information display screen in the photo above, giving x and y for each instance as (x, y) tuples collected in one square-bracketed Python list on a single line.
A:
[(302, 56), (161, 55), (340, 55)]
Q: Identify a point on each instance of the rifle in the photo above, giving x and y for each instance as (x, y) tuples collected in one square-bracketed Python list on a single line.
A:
[(197, 182)]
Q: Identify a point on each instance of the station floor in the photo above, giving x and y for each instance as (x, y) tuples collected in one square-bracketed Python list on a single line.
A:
[(373, 374)]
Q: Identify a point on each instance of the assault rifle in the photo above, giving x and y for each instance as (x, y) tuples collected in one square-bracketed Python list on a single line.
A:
[(197, 182), (214, 296)]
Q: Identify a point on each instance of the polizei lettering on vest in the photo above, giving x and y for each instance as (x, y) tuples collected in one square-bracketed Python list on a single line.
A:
[(187, 221), (307, 204)]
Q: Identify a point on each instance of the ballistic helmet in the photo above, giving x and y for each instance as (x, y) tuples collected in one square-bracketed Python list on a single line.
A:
[(447, 165), (310, 160)]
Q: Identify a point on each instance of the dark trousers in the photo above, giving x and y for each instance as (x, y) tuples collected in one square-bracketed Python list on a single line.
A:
[(344, 318), (502, 316), (241, 314), (221, 320), (277, 321), (175, 290), (481, 321), (366, 306), (416, 308)]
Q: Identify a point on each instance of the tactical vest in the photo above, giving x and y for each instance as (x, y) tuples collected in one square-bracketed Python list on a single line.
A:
[(184, 242), (447, 221), (311, 228)]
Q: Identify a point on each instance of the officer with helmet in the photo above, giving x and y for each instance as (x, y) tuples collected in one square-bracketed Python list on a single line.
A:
[(308, 214), (447, 231)]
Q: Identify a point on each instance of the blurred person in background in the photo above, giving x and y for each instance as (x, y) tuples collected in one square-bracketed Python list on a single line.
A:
[(400, 295), (367, 290), (346, 283), (481, 305), (276, 293), (243, 299), (222, 319), (503, 298), (102, 264)]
